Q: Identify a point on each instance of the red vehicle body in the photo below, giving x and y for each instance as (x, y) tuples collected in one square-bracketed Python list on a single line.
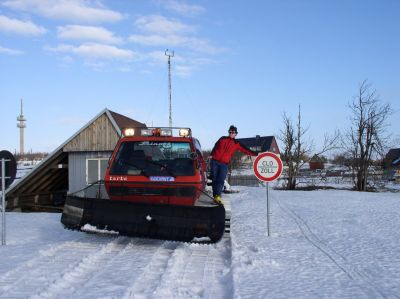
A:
[(155, 184), (156, 169)]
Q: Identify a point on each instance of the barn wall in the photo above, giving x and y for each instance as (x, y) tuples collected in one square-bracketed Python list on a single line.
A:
[(98, 136)]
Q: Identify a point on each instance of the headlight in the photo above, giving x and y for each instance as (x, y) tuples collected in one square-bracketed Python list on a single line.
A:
[(129, 132), (184, 132)]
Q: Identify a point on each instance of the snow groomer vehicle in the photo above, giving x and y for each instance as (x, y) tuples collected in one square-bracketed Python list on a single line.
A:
[(155, 187)]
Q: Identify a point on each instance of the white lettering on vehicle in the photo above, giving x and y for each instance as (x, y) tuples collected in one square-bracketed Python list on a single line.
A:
[(118, 178)]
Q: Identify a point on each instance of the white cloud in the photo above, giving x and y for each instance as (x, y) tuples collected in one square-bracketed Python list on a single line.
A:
[(95, 51), (87, 11), (104, 51), (10, 51), (161, 25), (181, 66), (159, 57), (157, 40), (160, 31), (15, 26), (183, 8), (193, 43), (88, 33), (183, 70)]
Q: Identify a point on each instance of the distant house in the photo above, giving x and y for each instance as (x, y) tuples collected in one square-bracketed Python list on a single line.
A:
[(261, 144), (392, 158), (78, 162), (258, 144), (316, 162)]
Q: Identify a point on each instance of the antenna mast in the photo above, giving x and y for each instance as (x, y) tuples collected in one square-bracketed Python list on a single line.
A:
[(169, 54)]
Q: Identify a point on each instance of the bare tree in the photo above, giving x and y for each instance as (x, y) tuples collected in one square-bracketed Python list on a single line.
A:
[(294, 147), (366, 137), (296, 150)]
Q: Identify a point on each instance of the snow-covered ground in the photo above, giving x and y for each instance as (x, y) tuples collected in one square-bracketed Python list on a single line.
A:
[(323, 244)]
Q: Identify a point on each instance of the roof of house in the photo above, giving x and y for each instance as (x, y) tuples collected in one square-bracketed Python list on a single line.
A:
[(396, 162), (393, 153), (123, 122), (31, 183), (317, 159), (263, 141)]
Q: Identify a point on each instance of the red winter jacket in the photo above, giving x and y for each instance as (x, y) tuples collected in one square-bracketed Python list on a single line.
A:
[(225, 148)]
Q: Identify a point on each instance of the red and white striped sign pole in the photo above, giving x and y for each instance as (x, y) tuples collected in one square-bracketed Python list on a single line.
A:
[(267, 167)]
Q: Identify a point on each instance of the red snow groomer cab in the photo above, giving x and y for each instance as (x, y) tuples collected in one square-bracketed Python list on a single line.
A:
[(156, 167), (155, 184)]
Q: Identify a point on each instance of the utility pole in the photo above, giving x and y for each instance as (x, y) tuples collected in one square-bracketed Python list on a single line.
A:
[(169, 54)]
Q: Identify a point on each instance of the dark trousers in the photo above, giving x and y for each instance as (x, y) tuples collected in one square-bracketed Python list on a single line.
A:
[(218, 174)]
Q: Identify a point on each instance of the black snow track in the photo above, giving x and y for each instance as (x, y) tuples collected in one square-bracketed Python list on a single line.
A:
[(157, 221)]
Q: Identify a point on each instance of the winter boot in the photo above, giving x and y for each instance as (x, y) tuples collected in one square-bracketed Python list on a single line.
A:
[(217, 199)]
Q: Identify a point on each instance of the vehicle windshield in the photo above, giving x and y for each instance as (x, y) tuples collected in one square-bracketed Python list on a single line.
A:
[(153, 158)]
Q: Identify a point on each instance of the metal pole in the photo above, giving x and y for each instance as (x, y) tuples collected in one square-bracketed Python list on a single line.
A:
[(169, 54), (268, 230), (3, 201)]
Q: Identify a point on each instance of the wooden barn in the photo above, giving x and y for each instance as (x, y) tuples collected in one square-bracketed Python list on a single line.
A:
[(78, 162)]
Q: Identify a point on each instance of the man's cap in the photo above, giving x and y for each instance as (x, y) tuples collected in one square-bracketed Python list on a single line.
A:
[(232, 128)]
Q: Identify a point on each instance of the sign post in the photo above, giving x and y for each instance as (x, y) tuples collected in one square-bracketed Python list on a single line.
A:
[(267, 167), (7, 175), (3, 201)]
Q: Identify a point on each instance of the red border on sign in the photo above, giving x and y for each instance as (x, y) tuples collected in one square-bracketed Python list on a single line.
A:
[(278, 160)]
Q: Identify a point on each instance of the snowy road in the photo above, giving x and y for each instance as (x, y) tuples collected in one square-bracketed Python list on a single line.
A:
[(87, 265), (323, 244)]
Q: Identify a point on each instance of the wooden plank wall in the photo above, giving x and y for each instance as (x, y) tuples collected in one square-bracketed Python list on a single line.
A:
[(98, 136)]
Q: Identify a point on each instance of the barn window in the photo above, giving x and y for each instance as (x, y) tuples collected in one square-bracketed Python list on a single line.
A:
[(95, 170)]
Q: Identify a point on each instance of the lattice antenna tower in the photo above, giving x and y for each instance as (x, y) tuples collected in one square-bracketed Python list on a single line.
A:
[(169, 54), (21, 125)]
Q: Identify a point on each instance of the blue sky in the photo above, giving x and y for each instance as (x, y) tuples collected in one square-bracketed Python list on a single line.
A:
[(236, 62)]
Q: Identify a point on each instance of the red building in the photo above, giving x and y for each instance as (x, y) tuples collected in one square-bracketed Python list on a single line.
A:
[(317, 162)]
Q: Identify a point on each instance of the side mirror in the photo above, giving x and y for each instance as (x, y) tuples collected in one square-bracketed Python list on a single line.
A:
[(194, 156)]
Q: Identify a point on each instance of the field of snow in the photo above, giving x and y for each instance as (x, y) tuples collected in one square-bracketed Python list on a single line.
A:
[(323, 244)]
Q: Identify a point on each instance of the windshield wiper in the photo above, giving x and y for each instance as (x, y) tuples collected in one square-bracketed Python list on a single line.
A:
[(169, 170), (134, 165)]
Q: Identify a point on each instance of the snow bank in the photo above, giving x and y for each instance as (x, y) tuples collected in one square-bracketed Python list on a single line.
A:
[(324, 244)]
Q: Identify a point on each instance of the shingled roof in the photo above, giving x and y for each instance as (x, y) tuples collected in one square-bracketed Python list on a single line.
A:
[(123, 121), (393, 156), (264, 143)]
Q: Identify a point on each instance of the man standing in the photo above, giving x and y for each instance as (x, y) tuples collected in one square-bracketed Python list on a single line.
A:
[(220, 156)]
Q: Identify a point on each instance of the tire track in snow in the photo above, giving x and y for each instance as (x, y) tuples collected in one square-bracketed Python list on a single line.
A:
[(187, 271), (18, 277), (119, 273), (30, 277), (147, 281), (356, 274), (75, 275)]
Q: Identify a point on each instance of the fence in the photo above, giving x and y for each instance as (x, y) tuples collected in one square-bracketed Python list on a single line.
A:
[(376, 179)]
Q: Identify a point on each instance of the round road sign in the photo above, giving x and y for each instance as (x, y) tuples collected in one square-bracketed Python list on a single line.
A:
[(10, 167), (267, 167)]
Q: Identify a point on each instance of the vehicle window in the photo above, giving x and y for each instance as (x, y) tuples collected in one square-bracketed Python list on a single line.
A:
[(154, 158)]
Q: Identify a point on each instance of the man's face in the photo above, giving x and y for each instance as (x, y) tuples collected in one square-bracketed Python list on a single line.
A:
[(232, 134)]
